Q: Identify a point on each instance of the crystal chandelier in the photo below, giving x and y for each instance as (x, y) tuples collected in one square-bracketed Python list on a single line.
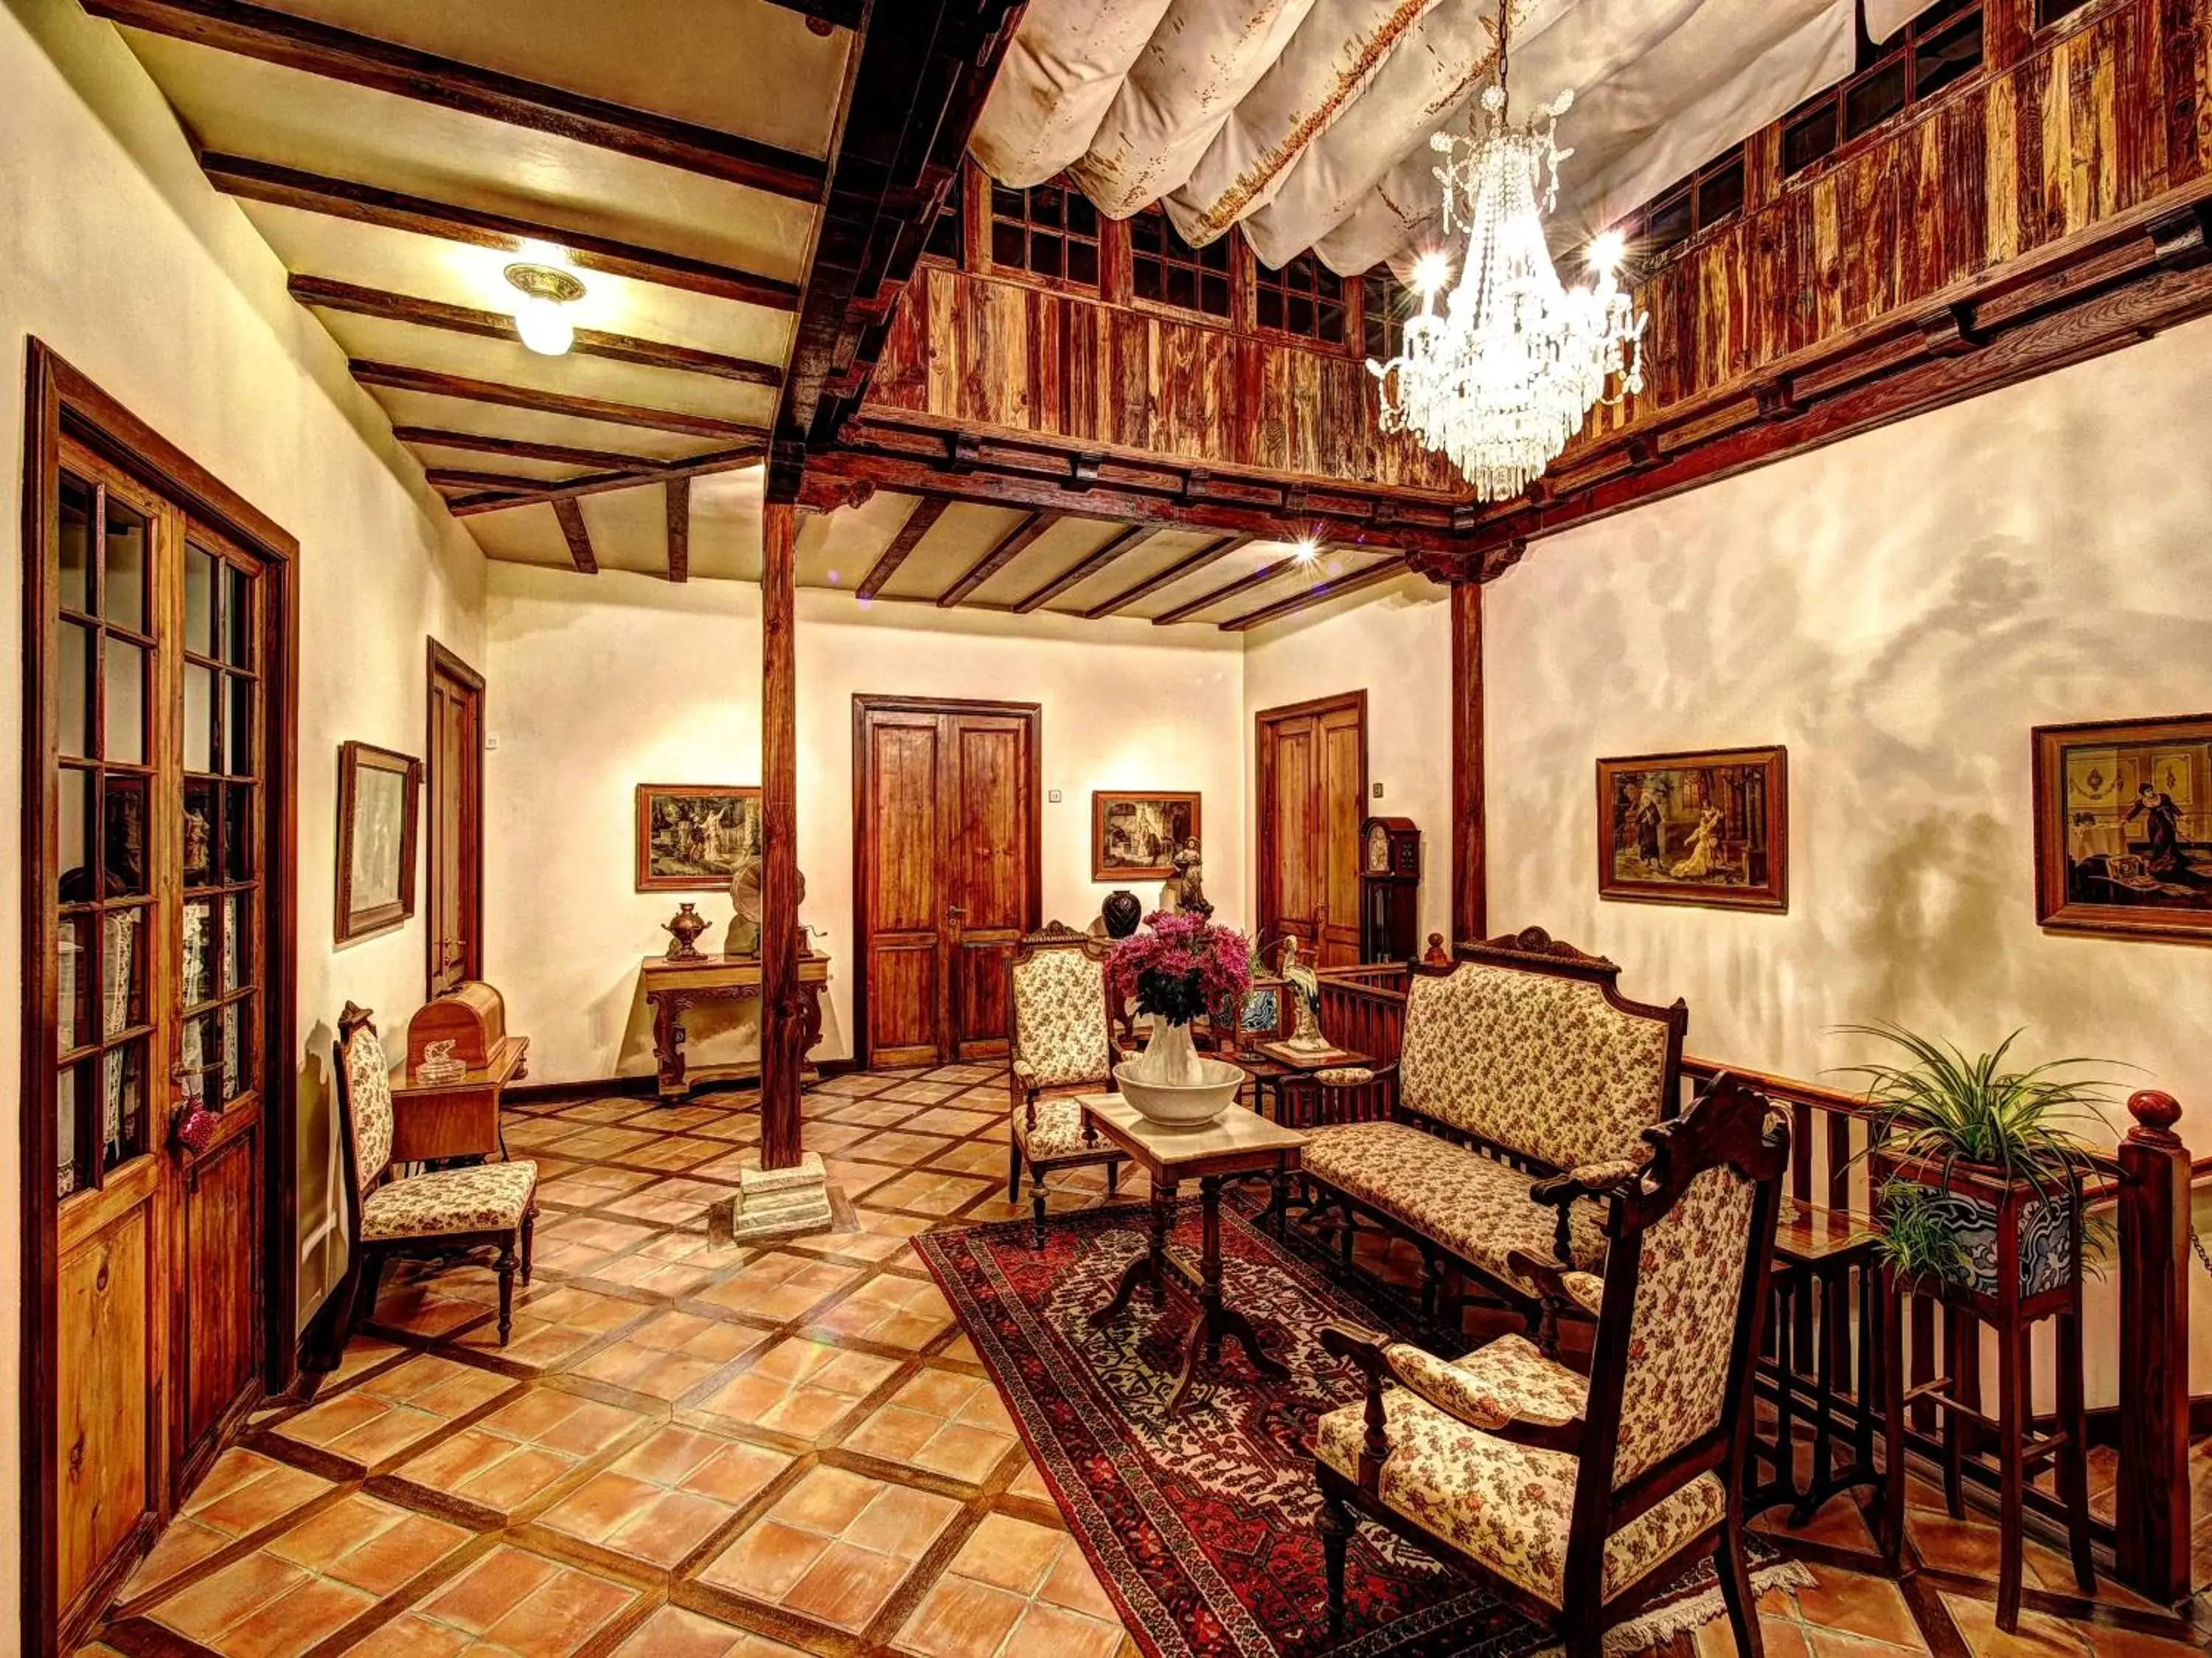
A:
[(1506, 375)]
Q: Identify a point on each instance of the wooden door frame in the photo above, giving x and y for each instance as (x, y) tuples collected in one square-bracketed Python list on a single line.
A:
[(60, 398), (1262, 800), (866, 704), (442, 662)]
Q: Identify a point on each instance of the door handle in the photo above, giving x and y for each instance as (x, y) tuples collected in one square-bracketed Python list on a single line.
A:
[(955, 912)]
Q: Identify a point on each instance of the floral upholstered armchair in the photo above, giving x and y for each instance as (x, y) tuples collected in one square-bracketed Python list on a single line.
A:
[(494, 1203), (1057, 988), (1567, 1493)]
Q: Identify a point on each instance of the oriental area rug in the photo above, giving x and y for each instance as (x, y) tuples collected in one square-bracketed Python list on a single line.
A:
[(1201, 1525)]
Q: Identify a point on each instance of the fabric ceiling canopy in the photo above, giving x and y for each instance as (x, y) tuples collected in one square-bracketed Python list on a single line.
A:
[(1308, 121)]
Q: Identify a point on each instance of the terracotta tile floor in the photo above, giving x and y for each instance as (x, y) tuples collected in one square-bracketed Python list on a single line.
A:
[(693, 1450)]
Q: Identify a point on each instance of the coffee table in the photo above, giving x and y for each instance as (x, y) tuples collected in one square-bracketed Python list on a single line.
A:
[(1239, 1142)]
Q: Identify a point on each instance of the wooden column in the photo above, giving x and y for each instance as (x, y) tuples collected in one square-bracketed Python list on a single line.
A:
[(2152, 1518), (1470, 887), (783, 1011)]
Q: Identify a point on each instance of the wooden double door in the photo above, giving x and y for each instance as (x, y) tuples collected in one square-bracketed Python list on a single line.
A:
[(1312, 795), (946, 875)]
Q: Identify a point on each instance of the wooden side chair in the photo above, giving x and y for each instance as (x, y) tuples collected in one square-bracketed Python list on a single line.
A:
[(494, 1203), (1061, 1039), (1568, 1495)]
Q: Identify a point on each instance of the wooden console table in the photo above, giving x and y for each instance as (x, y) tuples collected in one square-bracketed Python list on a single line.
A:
[(459, 1118), (670, 987)]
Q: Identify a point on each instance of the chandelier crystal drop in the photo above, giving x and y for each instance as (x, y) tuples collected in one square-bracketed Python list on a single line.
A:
[(1507, 374)]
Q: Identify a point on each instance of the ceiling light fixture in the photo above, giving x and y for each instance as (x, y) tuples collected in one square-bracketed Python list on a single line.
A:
[(542, 291), (1511, 369), (1307, 551)]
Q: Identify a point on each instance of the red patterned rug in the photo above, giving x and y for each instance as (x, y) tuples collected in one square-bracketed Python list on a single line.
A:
[(1201, 1525)]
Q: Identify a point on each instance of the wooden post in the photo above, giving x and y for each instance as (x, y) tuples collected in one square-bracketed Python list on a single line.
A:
[(783, 1012), (1469, 884), (2152, 1518)]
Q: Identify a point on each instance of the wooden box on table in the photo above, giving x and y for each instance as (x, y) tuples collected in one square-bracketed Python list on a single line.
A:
[(458, 1118)]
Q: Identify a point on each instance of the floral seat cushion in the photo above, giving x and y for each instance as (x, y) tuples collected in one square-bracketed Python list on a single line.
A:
[(1344, 1077), (1473, 1206), (1507, 1506), (1058, 1131), (489, 1197), (1505, 1380)]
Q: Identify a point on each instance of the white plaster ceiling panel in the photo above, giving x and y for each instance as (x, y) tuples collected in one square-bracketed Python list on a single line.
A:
[(733, 65), (537, 426), (505, 465), (241, 106), (531, 535), (837, 548), (1219, 574), (1142, 560), (964, 533), (1065, 542), (1326, 569), (510, 362), (461, 273), (1307, 120)]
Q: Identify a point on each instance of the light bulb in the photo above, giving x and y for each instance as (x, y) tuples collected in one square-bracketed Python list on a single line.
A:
[(1306, 551), (1606, 250), (1431, 273), (544, 327)]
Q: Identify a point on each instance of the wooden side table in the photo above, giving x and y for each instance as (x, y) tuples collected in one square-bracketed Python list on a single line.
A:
[(435, 1120), (1239, 1142), (1818, 1252), (670, 987)]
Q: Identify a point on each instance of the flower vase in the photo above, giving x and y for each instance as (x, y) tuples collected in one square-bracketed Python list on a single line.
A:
[(1169, 1059)]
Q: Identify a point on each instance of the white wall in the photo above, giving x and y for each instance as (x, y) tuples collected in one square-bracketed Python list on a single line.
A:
[(117, 255), (600, 684), (1399, 649)]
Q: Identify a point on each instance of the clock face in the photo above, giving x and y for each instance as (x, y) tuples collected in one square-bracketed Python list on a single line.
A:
[(1378, 851)]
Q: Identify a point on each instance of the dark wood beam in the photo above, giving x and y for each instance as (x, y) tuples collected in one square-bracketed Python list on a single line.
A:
[(391, 210), (783, 1000), (679, 530), (1244, 584), (1011, 547), (300, 43), (925, 512), (325, 294), (1213, 552), (1115, 547), (399, 378), (438, 437), (1470, 880), (454, 478), (717, 460), (573, 531), (1328, 587), (915, 83)]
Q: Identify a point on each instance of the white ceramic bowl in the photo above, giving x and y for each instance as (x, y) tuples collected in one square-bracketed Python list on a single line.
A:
[(1185, 1106)]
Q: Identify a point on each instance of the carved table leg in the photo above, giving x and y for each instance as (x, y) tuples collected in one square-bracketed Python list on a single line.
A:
[(1214, 1319), (1150, 1264), (668, 1043)]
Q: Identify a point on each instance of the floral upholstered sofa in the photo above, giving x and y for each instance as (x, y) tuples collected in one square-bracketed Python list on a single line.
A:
[(1525, 1082)]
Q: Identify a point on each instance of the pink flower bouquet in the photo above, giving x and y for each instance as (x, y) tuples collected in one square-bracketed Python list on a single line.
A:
[(1180, 966)]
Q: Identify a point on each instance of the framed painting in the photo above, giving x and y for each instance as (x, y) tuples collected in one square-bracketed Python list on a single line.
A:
[(692, 836), (1134, 837), (2124, 828), (1709, 828), (380, 801)]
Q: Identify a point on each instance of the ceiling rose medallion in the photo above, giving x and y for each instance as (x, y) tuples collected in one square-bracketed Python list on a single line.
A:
[(1507, 374)]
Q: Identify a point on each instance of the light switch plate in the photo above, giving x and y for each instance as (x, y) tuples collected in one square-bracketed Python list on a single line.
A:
[(1052, 795), (1378, 791)]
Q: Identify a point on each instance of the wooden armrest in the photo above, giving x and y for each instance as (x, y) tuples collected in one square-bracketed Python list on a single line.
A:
[(1375, 1074), (1369, 1350), (1562, 1191)]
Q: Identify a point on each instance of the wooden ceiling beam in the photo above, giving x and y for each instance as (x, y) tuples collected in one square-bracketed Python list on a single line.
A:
[(439, 438), (299, 43), (571, 517), (679, 530), (1388, 570), (392, 210), (1244, 584), (1189, 564), (927, 511), (456, 478), (716, 460), (1084, 569), (1011, 545), (397, 377), (326, 294)]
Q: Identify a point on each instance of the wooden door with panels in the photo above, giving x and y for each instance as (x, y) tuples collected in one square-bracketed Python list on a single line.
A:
[(947, 871), (158, 883), (454, 796), (1312, 790)]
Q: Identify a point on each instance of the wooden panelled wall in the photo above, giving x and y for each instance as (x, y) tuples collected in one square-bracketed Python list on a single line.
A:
[(986, 352)]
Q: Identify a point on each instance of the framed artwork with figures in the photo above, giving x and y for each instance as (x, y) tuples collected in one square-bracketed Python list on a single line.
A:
[(1709, 828), (379, 800), (692, 836), (2124, 828), (1134, 836)]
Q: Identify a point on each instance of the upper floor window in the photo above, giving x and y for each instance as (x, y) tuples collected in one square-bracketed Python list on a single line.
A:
[(946, 238), (1305, 298), (1384, 304), (1165, 268), (1711, 194), (1049, 230), (1942, 45)]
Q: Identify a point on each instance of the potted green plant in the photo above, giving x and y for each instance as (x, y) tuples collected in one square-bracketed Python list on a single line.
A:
[(1977, 1168)]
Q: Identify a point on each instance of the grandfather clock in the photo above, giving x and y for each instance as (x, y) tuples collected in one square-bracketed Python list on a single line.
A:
[(1389, 890)]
